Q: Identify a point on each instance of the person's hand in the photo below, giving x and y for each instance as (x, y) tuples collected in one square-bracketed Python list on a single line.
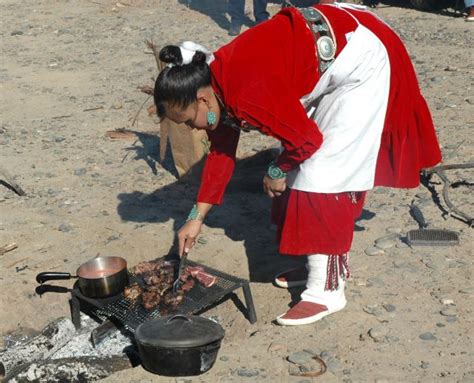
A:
[(274, 188), (188, 234)]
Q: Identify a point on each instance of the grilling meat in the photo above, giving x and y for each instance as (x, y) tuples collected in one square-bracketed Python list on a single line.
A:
[(150, 299), (158, 278), (133, 292)]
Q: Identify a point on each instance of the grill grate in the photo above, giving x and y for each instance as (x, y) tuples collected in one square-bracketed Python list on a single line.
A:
[(131, 314), (432, 237)]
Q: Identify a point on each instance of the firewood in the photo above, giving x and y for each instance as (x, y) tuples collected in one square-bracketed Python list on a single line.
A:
[(77, 369), (54, 336)]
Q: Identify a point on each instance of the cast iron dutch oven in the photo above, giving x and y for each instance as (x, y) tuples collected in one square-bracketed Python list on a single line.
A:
[(178, 345), (100, 277)]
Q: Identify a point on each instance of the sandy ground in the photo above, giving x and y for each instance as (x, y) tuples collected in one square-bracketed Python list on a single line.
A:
[(69, 73)]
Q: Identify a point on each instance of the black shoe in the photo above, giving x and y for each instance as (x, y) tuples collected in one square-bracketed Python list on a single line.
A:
[(234, 30)]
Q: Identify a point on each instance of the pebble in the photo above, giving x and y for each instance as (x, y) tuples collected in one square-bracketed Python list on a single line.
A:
[(469, 290), (447, 301), (425, 365), (300, 357), (428, 336), (333, 364), (80, 172), (378, 334), (389, 307), (224, 358), (449, 312), (16, 33), (385, 244), (142, 169), (65, 227), (372, 250), (247, 373), (202, 240)]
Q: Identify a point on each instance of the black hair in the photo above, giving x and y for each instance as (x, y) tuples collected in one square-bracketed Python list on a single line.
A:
[(178, 83)]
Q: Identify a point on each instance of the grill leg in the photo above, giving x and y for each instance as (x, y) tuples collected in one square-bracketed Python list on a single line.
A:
[(75, 311), (249, 303)]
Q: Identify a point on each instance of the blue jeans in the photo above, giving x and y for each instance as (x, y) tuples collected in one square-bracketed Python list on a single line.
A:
[(237, 11)]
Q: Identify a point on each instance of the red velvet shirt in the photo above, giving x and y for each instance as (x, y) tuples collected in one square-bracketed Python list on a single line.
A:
[(261, 76)]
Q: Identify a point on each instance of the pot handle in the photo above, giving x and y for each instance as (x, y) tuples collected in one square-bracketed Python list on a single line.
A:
[(178, 316), (52, 276)]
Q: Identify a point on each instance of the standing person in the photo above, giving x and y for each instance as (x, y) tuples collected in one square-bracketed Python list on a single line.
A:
[(237, 14), (336, 86), (470, 9)]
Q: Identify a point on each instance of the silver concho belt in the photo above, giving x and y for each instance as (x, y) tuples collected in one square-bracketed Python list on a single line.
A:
[(323, 37)]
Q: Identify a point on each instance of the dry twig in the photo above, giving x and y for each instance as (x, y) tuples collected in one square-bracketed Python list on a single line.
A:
[(440, 172), (5, 249)]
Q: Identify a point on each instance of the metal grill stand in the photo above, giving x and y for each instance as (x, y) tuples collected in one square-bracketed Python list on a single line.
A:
[(130, 315)]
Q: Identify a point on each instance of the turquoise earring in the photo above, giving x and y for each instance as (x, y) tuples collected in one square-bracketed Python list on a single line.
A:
[(211, 118)]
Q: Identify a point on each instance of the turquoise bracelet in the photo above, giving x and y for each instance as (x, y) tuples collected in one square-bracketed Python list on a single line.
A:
[(274, 172), (194, 215)]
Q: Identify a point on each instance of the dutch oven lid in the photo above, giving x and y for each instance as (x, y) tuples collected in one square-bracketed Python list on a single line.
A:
[(178, 331)]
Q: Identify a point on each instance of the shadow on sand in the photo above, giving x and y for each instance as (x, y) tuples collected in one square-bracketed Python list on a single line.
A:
[(244, 216)]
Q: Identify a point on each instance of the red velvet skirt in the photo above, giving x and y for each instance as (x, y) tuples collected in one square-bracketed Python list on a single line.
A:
[(316, 223)]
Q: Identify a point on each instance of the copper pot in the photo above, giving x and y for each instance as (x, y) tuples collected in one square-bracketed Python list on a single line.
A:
[(100, 277)]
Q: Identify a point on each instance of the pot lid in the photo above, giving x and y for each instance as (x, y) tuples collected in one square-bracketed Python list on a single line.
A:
[(178, 331)]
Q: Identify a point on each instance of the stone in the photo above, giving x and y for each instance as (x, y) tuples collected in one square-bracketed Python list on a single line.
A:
[(389, 307), (300, 357), (247, 373), (372, 250), (378, 334), (385, 244), (65, 227), (425, 365), (142, 169), (224, 358), (16, 33), (467, 290), (80, 172), (393, 230), (428, 336)]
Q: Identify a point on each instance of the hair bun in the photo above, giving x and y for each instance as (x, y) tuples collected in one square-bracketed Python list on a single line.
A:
[(199, 58), (171, 54)]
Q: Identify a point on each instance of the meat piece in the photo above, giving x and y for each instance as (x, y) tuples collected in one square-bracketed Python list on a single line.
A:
[(187, 285), (193, 270), (173, 299), (151, 278), (206, 279), (132, 292), (144, 267), (150, 299), (161, 288)]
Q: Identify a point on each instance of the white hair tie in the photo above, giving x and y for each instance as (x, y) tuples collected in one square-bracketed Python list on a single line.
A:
[(188, 50)]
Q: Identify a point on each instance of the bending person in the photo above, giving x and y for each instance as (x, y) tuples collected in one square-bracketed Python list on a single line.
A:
[(336, 86)]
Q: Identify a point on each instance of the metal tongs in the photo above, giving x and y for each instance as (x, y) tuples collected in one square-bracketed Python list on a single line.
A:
[(182, 266)]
